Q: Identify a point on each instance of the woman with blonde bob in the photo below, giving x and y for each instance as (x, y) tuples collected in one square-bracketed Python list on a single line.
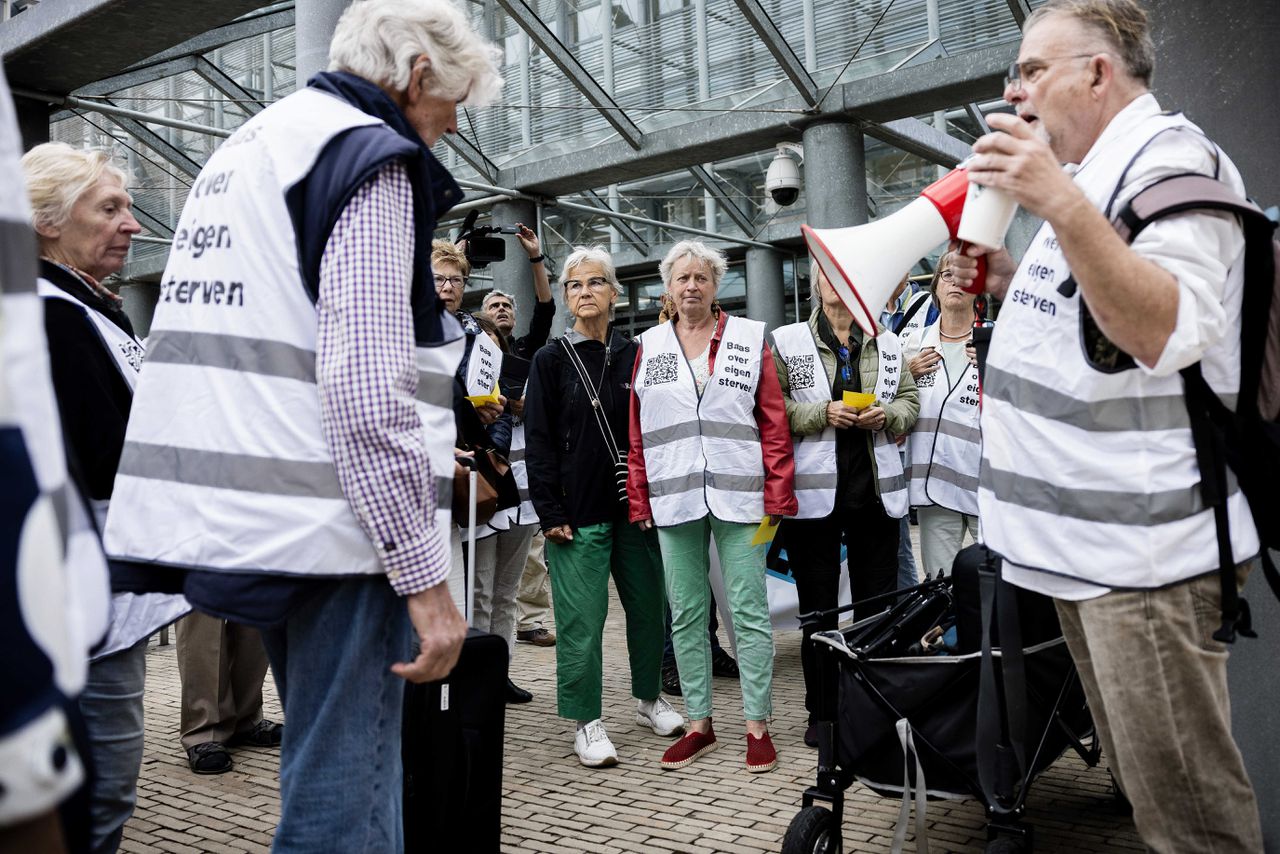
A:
[(575, 427), (81, 212), (711, 456)]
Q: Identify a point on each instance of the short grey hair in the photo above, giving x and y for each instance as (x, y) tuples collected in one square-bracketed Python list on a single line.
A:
[(699, 251), (380, 39), (1122, 23), (57, 175), (592, 255), (484, 304)]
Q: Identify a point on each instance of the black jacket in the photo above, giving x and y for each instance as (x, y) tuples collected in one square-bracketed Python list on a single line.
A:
[(93, 399), (571, 473)]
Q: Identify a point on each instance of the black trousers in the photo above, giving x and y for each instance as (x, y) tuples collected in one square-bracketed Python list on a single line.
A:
[(813, 552)]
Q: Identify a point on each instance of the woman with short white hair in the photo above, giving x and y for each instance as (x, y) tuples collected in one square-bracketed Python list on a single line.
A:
[(711, 456), (81, 212), (576, 433)]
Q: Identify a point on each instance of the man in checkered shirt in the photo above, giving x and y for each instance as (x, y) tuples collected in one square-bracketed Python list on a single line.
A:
[(287, 447)]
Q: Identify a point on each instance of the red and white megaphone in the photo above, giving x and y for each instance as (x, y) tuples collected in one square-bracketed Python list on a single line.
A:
[(865, 263)]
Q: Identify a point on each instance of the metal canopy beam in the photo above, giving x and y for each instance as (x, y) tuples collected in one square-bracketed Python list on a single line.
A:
[(728, 205), (923, 140), (155, 225), (971, 76), (628, 233), (59, 47), (158, 144), (471, 153), (791, 65), (1020, 11), (227, 85), (555, 50), (246, 27), (140, 77)]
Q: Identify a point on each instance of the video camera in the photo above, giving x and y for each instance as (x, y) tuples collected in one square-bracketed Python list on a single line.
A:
[(482, 250)]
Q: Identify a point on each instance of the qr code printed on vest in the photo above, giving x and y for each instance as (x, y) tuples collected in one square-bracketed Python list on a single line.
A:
[(661, 369), (800, 371)]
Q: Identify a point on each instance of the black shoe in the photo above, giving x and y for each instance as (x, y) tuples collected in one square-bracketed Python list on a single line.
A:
[(265, 733), (671, 679), (722, 664), (211, 757), (516, 694), (811, 735)]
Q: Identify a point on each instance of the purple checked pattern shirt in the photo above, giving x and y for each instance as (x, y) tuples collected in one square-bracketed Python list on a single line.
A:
[(367, 378)]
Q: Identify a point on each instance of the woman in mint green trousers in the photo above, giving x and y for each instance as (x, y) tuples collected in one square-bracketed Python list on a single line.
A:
[(711, 456)]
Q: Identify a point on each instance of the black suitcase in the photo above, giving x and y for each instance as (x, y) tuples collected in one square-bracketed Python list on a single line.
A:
[(451, 741), (451, 748)]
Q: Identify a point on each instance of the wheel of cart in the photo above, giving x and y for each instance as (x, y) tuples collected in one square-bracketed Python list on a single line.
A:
[(909, 724)]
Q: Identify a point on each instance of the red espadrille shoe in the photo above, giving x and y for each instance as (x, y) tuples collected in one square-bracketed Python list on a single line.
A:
[(761, 756), (687, 749)]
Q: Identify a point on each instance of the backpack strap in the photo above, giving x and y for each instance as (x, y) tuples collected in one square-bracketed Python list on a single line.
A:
[(1209, 416), (912, 308)]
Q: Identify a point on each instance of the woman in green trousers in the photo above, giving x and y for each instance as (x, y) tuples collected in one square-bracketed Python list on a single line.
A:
[(575, 425)]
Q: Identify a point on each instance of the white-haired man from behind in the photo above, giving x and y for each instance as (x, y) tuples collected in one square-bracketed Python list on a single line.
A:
[(294, 418)]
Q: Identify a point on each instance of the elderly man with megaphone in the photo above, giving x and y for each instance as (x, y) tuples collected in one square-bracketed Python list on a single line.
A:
[(1090, 477)]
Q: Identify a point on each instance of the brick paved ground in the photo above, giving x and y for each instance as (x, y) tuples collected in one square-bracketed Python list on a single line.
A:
[(552, 804)]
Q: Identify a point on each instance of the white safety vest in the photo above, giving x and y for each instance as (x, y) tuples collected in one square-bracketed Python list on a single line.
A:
[(1089, 474), (133, 616), (523, 513), (917, 321), (945, 446), (816, 454), (225, 465), (126, 351), (702, 452)]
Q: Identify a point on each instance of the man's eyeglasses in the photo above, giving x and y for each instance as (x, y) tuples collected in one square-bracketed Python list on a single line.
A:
[(456, 281), (574, 286), (1033, 68)]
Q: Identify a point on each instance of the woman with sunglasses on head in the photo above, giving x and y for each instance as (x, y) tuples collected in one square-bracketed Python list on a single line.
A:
[(849, 478), (945, 447), (575, 429)]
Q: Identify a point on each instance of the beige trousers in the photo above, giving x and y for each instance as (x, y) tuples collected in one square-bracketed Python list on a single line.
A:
[(1156, 682), (222, 665), (533, 598)]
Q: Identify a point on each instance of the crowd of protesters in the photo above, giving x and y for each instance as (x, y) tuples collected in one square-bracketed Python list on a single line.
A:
[(275, 451)]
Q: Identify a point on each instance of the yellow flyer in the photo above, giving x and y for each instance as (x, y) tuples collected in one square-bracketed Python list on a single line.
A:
[(766, 532)]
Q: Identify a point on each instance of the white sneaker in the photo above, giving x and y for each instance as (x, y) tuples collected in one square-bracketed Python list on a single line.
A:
[(593, 746), (660, 717)]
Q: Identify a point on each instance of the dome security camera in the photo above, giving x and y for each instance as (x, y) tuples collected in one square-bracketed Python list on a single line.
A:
[(782, 181)]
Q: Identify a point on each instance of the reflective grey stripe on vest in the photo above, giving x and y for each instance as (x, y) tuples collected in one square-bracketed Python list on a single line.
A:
[(220, 470), (434, 387), (524, 494), (264, 357), (1139, 509), (233, 353), (709, 429), (1168, 412), (736, 482), (242, 472), (18, 270), (934, 470), (826, 480), (675, 485), (516, 455), (893, 483), (949, 428)]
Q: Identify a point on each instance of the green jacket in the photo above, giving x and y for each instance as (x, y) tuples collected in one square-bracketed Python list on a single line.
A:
[(809, 418)]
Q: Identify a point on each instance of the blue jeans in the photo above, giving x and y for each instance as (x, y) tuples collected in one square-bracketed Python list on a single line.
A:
[(340, 771), (111, 705)]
